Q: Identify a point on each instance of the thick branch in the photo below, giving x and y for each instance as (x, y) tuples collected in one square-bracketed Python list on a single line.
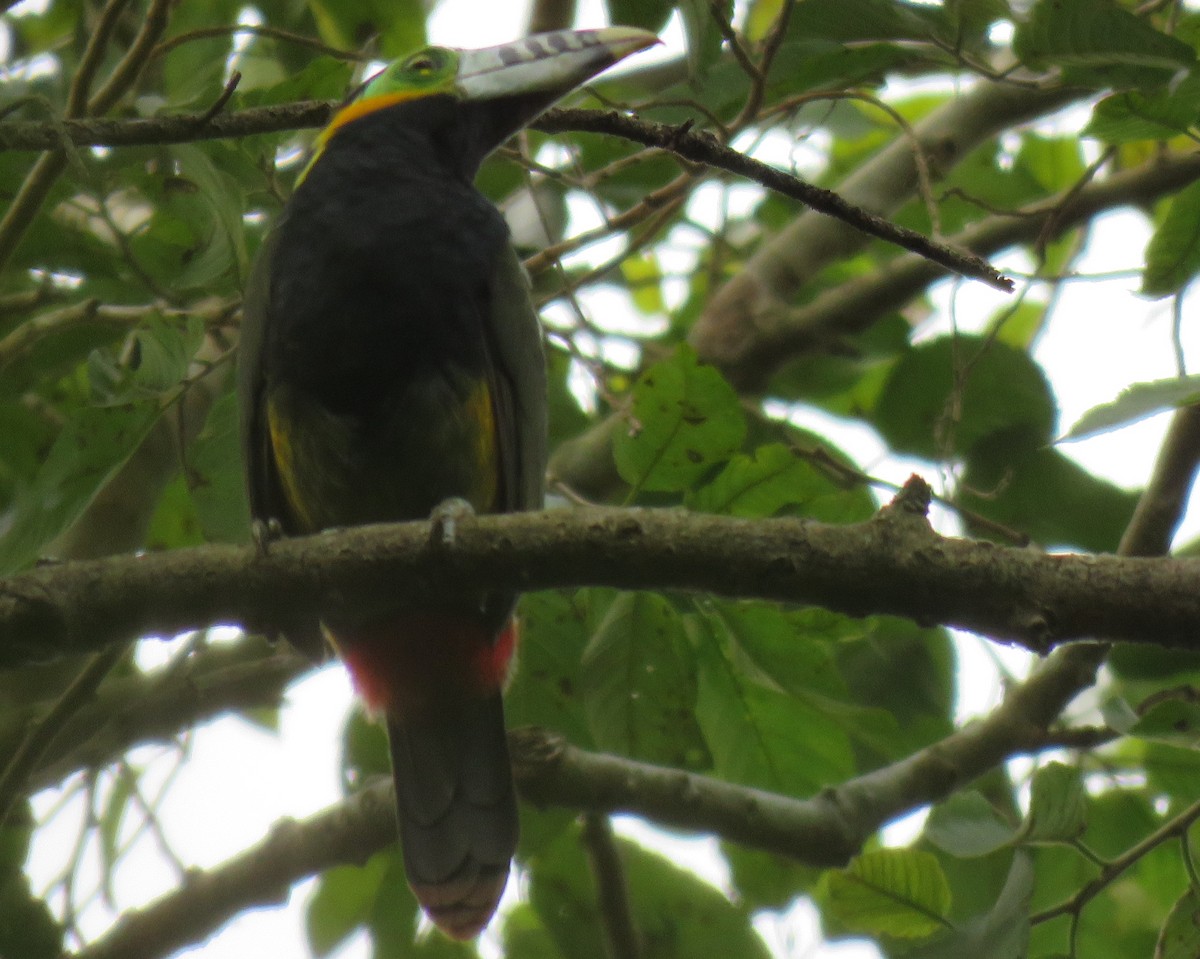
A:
[(893, 564), (856, 305), (770, 279)]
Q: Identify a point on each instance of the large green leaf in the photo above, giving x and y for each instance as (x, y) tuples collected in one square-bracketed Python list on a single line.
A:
[(685, 419), (1046, 495), (89, 450), (1095, 33), (757, 734), (946, 396), (398, 26), (675, 914), (639, 683)]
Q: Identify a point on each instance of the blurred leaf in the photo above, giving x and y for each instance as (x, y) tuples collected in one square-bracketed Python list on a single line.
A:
[(1001, 933), (1095, 33), (1173, 721), (89, 450), (676, 914), (850, 20), (891, 892), (343, 901), (214, 476), (1157, 114), (946, 396), (1135, 403), (1173, 254), (643, 279), (967, 825), (1046, 495), (398, 25), (27, 928), (526, 936), (1057, 807), (759, 736), (702, 33), (639, 683), (686, 418), (650, 15), (1180, 937)]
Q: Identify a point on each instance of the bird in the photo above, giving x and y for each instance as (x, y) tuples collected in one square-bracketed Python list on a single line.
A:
[(391, 363)]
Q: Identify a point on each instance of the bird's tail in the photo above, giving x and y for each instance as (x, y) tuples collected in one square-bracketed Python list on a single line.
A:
[(456, 808)]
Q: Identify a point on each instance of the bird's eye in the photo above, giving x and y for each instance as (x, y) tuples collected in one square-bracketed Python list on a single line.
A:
[(422, 64)]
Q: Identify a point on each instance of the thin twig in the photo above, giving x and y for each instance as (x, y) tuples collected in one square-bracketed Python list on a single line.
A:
[(26, 758)]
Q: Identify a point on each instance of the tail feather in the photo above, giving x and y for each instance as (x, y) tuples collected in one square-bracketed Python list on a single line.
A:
[(456, 809)]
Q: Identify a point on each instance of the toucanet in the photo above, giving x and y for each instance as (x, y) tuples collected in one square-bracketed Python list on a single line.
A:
[(391, 360)]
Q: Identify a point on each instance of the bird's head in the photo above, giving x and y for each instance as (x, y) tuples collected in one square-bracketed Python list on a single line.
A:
[(499, 88)]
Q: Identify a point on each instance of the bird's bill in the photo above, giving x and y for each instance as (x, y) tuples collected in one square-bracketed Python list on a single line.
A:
[(544, 67)]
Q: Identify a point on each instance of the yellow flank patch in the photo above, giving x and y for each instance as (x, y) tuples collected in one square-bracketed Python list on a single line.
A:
[(285, 462), (483, 415), (352, 111)]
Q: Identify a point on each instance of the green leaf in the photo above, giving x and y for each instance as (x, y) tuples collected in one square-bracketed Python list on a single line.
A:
[(643, 279), (1158, 114), (761, 485), (27, 928), (1095, 33), (639, 683), (901, 893), (758, 735), (1135, 403), (214, 475), (853, 20), (946, 396), (164, 351), (1180, 936), (547, 685), (1000, 933), (342, 902), (1173, 254), (967, 825), (1057, 807), (686, 419), (650, 15), (1172, 721), (676, 914), (1046, 495), (88, 451), (399, 25), (525, 935), (703, 36)]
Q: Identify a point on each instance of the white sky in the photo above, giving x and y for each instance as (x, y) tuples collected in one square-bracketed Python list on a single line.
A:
[(238, 779)]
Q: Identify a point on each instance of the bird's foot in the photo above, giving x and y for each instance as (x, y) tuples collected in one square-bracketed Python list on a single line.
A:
[(446, 518), (264, 533)]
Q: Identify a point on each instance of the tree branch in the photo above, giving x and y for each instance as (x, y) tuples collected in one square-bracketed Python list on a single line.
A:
[(612, 893), (695, 147), (894, 564)]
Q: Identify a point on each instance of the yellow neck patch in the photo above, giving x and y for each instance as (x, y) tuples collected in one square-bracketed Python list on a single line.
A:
[(352, 112)]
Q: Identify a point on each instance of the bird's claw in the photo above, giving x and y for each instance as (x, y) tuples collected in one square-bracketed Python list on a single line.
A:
[(446, 518), (264, 533)]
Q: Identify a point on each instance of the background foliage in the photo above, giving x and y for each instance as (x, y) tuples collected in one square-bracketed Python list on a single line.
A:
[(689, 315)]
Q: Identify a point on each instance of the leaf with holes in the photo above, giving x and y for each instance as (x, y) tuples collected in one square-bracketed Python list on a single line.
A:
[(686, 419)]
